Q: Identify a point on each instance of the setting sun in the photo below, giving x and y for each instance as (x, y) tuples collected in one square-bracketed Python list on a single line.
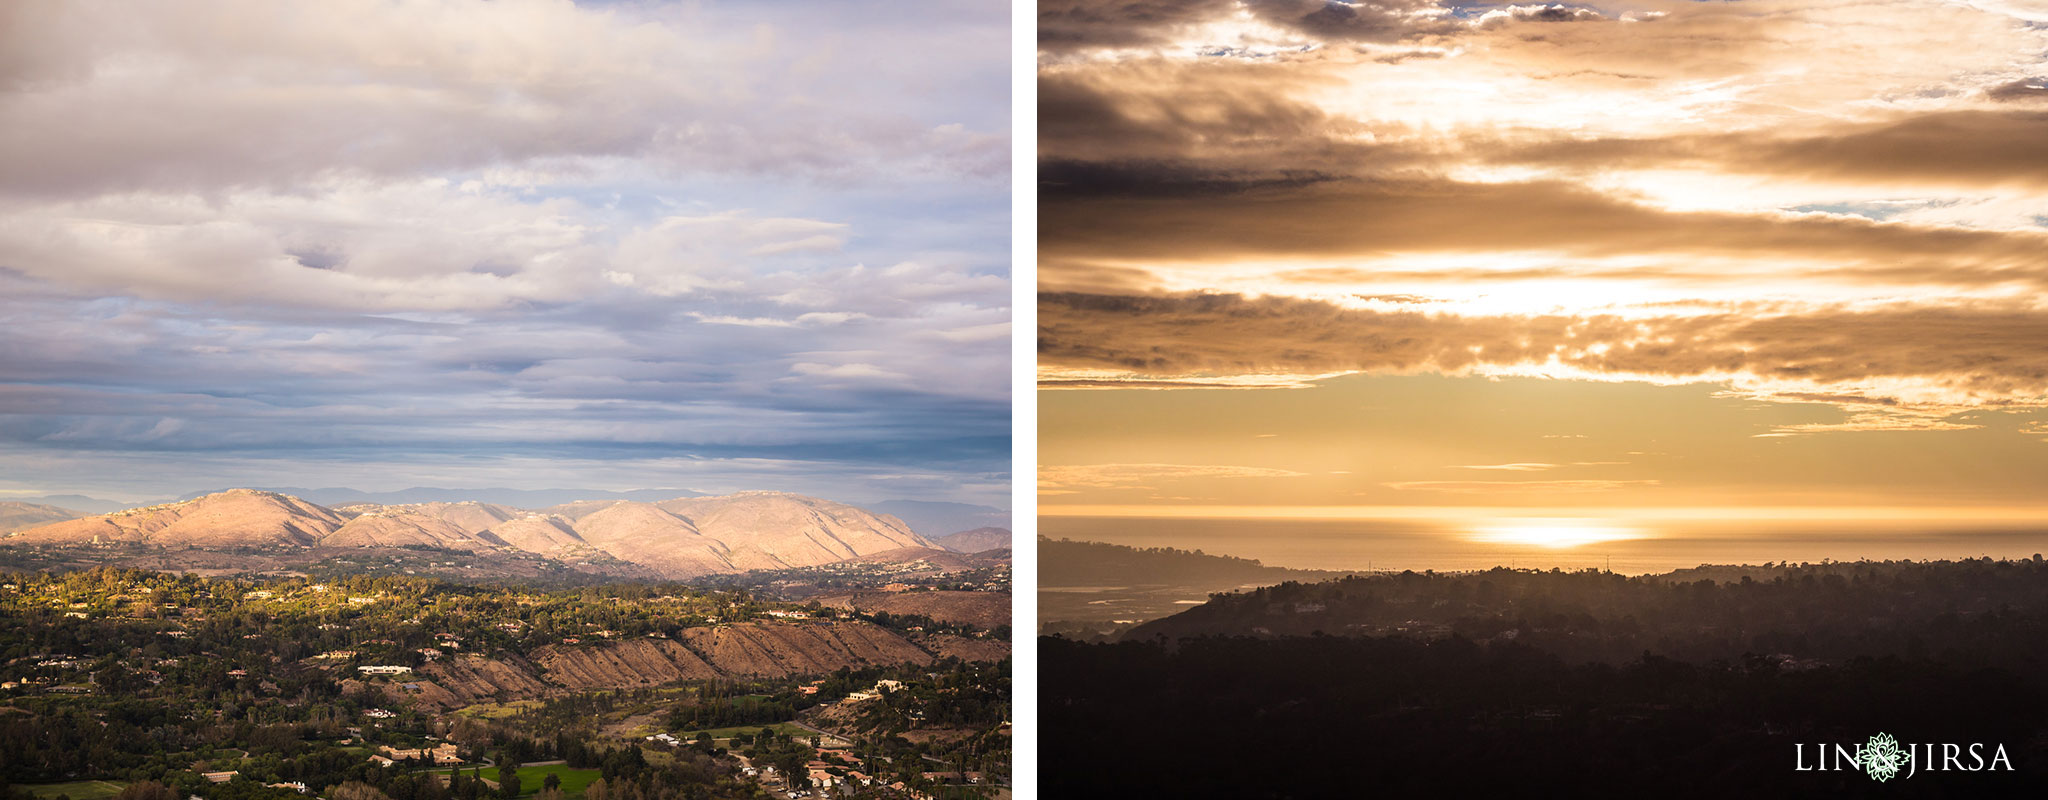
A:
[(1558, 533)]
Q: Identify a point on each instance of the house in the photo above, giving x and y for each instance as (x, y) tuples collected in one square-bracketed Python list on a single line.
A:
[(378, 713), (220, 777), (384, 669), (443, 754)]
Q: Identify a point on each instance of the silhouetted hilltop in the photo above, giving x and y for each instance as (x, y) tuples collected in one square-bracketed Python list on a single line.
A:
[(1064, 562), (1524, 683), (1832, 611)]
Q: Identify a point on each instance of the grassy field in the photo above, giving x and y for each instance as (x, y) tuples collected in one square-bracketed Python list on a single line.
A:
[(574, 781), (77, 790), (498, 710), (722, 734)]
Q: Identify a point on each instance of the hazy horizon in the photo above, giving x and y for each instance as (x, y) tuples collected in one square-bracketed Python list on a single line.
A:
[(1421, 544)]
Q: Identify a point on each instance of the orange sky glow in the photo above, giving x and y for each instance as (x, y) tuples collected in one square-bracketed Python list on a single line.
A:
[(1649, 261)]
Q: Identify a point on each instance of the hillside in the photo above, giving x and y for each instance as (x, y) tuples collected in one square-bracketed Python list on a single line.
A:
[(341, 666), (977, 540), (539, 533), (939, 519), (234, 518), (15, 516), (980, 609), (744, 650), (677, 538), (1092, 589), (1063, 562), (1831, 611), (1480, 684), (645, 534), (776, 529), (403, 527)]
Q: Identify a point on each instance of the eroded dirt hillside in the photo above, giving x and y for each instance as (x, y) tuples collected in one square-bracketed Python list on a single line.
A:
[(638, 662), (748, 649)]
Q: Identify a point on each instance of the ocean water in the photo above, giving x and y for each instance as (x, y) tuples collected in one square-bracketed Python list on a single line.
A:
[(1655, 548)]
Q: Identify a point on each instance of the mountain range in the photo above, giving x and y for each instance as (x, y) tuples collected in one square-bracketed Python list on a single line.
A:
[(931, 519), (976, 541), (675, 537)]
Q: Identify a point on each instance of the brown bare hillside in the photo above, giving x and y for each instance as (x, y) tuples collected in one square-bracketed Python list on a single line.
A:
[(978, 540), (773, 530), (645, 534), (234, 518), (966, 649), (465, 680), (639, 662), (15, 516), (777, 649), (398, 526), (470, 515), (980, 609), (934, 561), (539, 533), (748, 649)]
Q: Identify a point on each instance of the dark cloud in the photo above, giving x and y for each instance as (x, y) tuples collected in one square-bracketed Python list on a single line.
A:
[(1331, 21), (2020, 91), (1219, 114), (1065, 25), (1362, 218), (1964, 147), (1060, 180), (1959, 356)]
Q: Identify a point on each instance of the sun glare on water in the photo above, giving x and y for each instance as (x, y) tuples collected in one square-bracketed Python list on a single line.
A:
[(1558, 533)]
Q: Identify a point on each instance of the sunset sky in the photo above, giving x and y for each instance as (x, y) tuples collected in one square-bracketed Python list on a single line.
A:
[(525, 243), (1754, 259)]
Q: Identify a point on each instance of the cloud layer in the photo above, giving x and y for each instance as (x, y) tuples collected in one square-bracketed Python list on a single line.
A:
[(731, 246), (1807, 221), (1665, 192)]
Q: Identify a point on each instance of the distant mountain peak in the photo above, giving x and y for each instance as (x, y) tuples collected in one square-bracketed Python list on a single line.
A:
[(677, 536)]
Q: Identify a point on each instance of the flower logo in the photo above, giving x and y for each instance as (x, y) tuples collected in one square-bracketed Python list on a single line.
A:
[(1882, 757)]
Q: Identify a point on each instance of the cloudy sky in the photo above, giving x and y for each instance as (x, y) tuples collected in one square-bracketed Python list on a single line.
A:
[(524, 243), (1766, 257)]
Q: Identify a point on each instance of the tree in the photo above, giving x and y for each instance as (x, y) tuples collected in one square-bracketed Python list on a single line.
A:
[(508, 780), (147, 790), (355, 790), (552, 781)]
